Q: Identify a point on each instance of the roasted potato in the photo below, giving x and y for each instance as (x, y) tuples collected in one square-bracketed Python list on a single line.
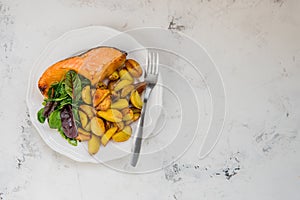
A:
[(122, 135), (83, 135), (140, 87), (88, 110), (86, 95), (120, 104), (120, 125), (108, 134), (126, 90), (114, 76), (111, 115), (83, 118), (133, 68), (111, 85), (105, 104), (99, 96), (136, 116), (125, 75), (115, 96), (88, 126), (136, 100), (127, 114), (108, 125), (83, 132), (97, 126), (94, 144), (121, 84), (101, 85)]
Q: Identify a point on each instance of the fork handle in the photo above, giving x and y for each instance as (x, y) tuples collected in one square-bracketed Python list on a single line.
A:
[(137, 140)]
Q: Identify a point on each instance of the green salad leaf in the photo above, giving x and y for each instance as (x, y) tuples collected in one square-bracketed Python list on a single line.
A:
[(40, 115), (54, 120), (73, 85)]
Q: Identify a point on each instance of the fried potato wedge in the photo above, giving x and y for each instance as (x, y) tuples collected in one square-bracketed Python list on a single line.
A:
[(83, 118), (105, 104), (99, 96), (133, 68), (120, 104), (111, 115), (89, 110), (97, 126), (108, 134), (122, 135), (86, 95), (126, 90), (125, 75), (94, 144), (136, 100), (88, 127), (127, 114), (121, 84)]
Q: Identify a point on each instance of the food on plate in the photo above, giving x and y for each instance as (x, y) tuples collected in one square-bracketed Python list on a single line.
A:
[(140, 87), (124, 75), (108, 134), (133, 68), (83, 118), (127, 114), (111, 115), (126, 90), (105, 104), (114, 76), (86, 95), (92, 97), (122, 135), (120, 104), (94, 144), (136, 100), (88, 110), (121, 84), (99, 96), (83, 135)]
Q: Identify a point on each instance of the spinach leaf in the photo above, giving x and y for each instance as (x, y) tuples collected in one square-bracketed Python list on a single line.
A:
[(73, 85), (41, 116), (54, 120), (57, 92), (65, 102), (72, 141), (57, 99), (52, 89)]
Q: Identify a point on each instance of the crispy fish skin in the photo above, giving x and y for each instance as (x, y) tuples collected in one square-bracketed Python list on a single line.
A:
[(95, 64)]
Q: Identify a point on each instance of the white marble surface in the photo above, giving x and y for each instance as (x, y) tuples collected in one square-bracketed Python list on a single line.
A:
[(255, 44)]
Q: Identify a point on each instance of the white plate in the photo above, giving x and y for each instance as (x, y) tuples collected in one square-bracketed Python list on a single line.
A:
[(70, 44)]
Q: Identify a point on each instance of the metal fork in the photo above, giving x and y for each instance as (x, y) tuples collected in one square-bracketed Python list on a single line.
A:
[(150, 77)]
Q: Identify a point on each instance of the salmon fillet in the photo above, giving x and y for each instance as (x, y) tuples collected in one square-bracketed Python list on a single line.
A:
[(95, 64)]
